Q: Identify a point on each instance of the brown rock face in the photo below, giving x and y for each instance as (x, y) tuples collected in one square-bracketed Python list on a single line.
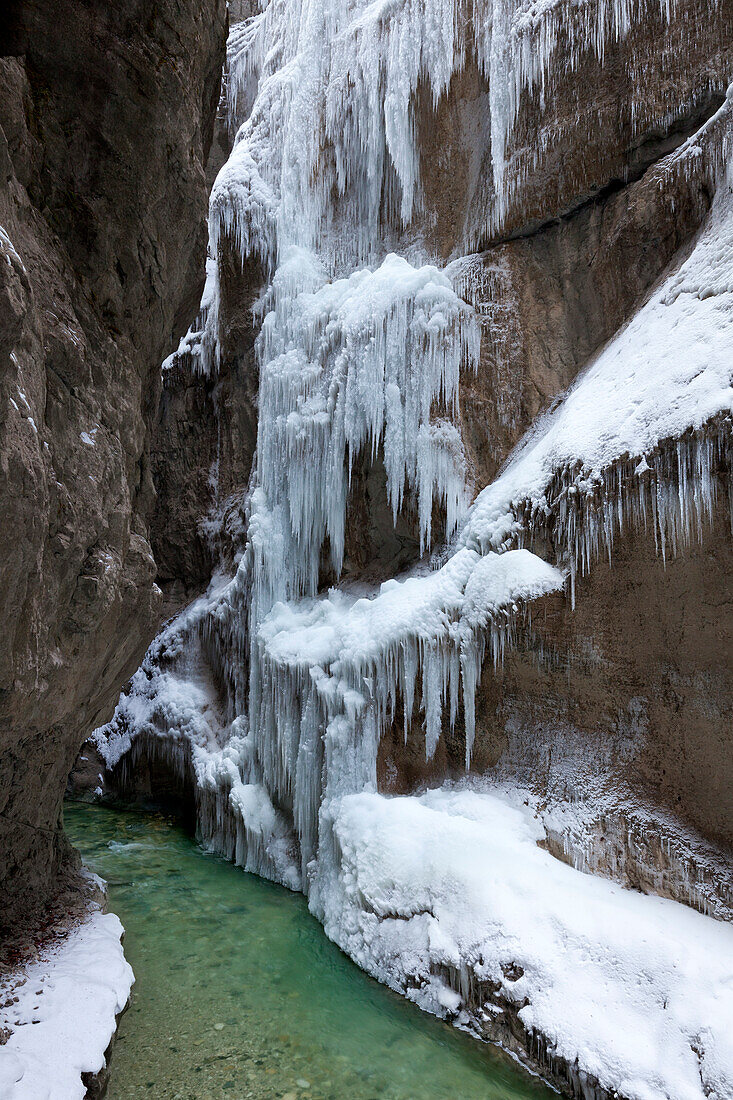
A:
[(615, 712), (205, 431), (643, 686), (549, 300), (104, 133)]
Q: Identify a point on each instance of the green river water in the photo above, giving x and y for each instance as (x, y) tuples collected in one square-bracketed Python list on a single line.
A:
[(239, 993)]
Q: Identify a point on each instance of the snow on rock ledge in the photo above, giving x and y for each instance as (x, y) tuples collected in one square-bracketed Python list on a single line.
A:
[(668, 373), (635, 991), (66, 1014), (365, 652)]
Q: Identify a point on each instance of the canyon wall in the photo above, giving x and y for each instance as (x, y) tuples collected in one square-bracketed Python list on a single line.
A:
[(443, 473), (106, 118)]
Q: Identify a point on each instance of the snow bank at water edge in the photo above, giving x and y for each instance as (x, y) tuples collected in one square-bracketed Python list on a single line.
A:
[(63, 1013), (450, 899)]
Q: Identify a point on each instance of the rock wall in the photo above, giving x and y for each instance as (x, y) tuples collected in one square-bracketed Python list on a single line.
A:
[(203, 445), (106, 118), (205, 430), (634, 92), (622, 699), (549, 299)]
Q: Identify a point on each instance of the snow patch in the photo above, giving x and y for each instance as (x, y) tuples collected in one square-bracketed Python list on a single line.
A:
[(635, 990), (65, 1014)]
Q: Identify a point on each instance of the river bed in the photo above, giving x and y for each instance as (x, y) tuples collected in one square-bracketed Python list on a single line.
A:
[(240, 994)]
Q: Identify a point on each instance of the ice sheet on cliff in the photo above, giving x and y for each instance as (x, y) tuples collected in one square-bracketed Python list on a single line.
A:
[(328, 157)]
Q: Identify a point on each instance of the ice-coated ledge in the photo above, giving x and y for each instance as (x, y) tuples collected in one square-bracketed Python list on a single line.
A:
[(66, 1012), (450, 891), (461, 597)]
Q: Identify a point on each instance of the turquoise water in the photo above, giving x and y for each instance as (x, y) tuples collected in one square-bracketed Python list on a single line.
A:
[(240, 994)]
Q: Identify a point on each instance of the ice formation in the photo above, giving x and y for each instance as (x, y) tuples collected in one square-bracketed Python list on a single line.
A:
[(336, 104), (346, 366), (273, 695), (173, 710)]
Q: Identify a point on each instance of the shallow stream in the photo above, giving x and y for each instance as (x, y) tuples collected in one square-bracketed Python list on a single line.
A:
[(240, 994)]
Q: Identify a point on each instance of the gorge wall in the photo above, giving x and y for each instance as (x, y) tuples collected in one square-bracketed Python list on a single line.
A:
[(442, 476), (106, 118), (537, 679)]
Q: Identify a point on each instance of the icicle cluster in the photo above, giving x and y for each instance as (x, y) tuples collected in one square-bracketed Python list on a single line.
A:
[(328, 157), (361, 363), (199, 348), (338, 669), (368, 362), (245, 58), (323, 96)]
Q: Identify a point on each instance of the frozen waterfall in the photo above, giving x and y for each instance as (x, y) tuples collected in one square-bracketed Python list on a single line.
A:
[(361, 351)]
